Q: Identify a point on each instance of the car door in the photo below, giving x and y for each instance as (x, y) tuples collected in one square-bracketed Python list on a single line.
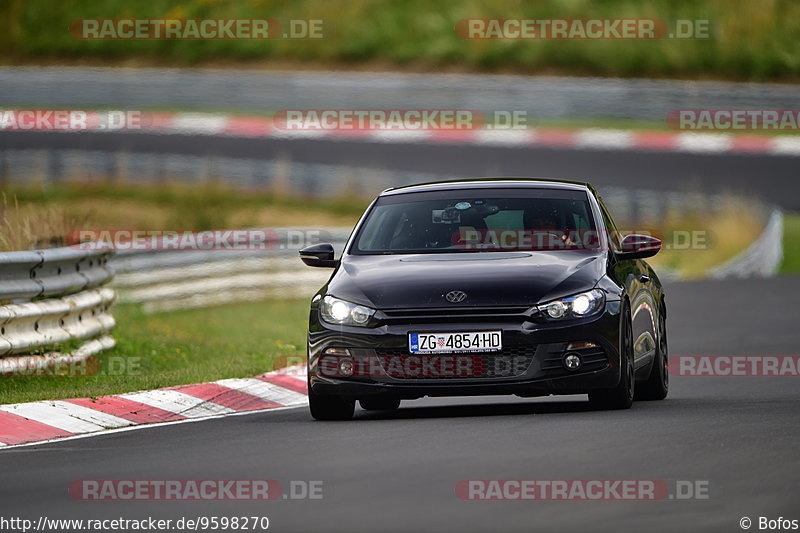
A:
[(634, 276)]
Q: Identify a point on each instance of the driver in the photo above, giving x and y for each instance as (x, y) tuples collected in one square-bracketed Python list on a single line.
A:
[(546, 230)]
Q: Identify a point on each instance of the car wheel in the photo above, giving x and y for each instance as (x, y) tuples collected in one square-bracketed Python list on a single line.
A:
[(657, 385), (379, 404), (330, 407), (621, 396)]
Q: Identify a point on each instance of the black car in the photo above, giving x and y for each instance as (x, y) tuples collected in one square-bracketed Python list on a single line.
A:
[(488, 286)]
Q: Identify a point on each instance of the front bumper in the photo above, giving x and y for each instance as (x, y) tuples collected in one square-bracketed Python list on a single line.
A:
[(530, 364)]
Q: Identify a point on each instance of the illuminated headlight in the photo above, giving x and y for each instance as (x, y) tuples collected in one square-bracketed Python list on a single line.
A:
[(336, 311), (578, 306)]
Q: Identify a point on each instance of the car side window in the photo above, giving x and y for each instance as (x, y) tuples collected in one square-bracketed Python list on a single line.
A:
[(613, 234)]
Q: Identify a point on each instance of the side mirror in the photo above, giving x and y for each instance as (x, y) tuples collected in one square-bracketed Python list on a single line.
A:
[(639, 246), (319, 255)]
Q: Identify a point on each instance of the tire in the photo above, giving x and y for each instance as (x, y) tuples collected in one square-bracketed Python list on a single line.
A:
[(657, 385), (621, 396), (379, 404), (330, 407)]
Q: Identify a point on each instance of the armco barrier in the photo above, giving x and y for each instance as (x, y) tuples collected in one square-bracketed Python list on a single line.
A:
[(22, 365), (52, 297), (51, 272), (762, 259), (55, 320), (177, 279)]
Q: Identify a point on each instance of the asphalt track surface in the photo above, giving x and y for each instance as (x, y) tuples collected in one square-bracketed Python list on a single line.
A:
[(767, 177), (398, 471)]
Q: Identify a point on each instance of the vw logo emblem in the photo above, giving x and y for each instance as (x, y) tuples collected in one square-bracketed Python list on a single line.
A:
[(455, 297)]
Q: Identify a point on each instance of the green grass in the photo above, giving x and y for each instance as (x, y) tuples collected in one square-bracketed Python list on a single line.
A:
[(752, 39), (179, 347), (791, 243)]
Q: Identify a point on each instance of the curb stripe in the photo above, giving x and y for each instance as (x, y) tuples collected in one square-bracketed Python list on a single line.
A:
[(556, 138), (248, 127), (66, 416), (752, 143), (197, 123), (604, 139), (786, 145), (287, 382), (177, 402), (46, 421), (704, 142), (263, 389), (137, 427), (227, 397), (16, 429), (655, 141), (136, 412), (498, 137)]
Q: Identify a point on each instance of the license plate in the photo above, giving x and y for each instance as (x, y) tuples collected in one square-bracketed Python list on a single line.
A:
[(455, 342)]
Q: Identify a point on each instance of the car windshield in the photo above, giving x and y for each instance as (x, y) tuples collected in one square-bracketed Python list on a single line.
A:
[(478, 220)]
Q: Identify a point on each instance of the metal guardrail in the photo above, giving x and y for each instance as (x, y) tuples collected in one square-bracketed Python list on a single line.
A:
[(125, 261), (55, 320), (23, 365), (180, 279), (762, 259), (51, 297), (51, 272)]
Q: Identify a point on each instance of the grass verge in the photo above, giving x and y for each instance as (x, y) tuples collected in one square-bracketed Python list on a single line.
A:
[(177, 348), (27, 226), (791, 243), (210, 205), (695, 243)]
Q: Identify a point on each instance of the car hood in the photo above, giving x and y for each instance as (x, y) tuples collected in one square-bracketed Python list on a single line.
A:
[(488, 278)]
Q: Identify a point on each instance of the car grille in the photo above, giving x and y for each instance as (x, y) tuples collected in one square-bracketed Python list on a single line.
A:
[(454, 311), (461, 314), (511, 362)]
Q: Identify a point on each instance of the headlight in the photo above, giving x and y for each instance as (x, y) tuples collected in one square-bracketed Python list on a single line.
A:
[(336, 311), (578, 306)]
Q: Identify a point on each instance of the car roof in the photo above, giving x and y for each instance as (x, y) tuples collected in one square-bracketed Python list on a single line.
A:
[(494, 183)]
